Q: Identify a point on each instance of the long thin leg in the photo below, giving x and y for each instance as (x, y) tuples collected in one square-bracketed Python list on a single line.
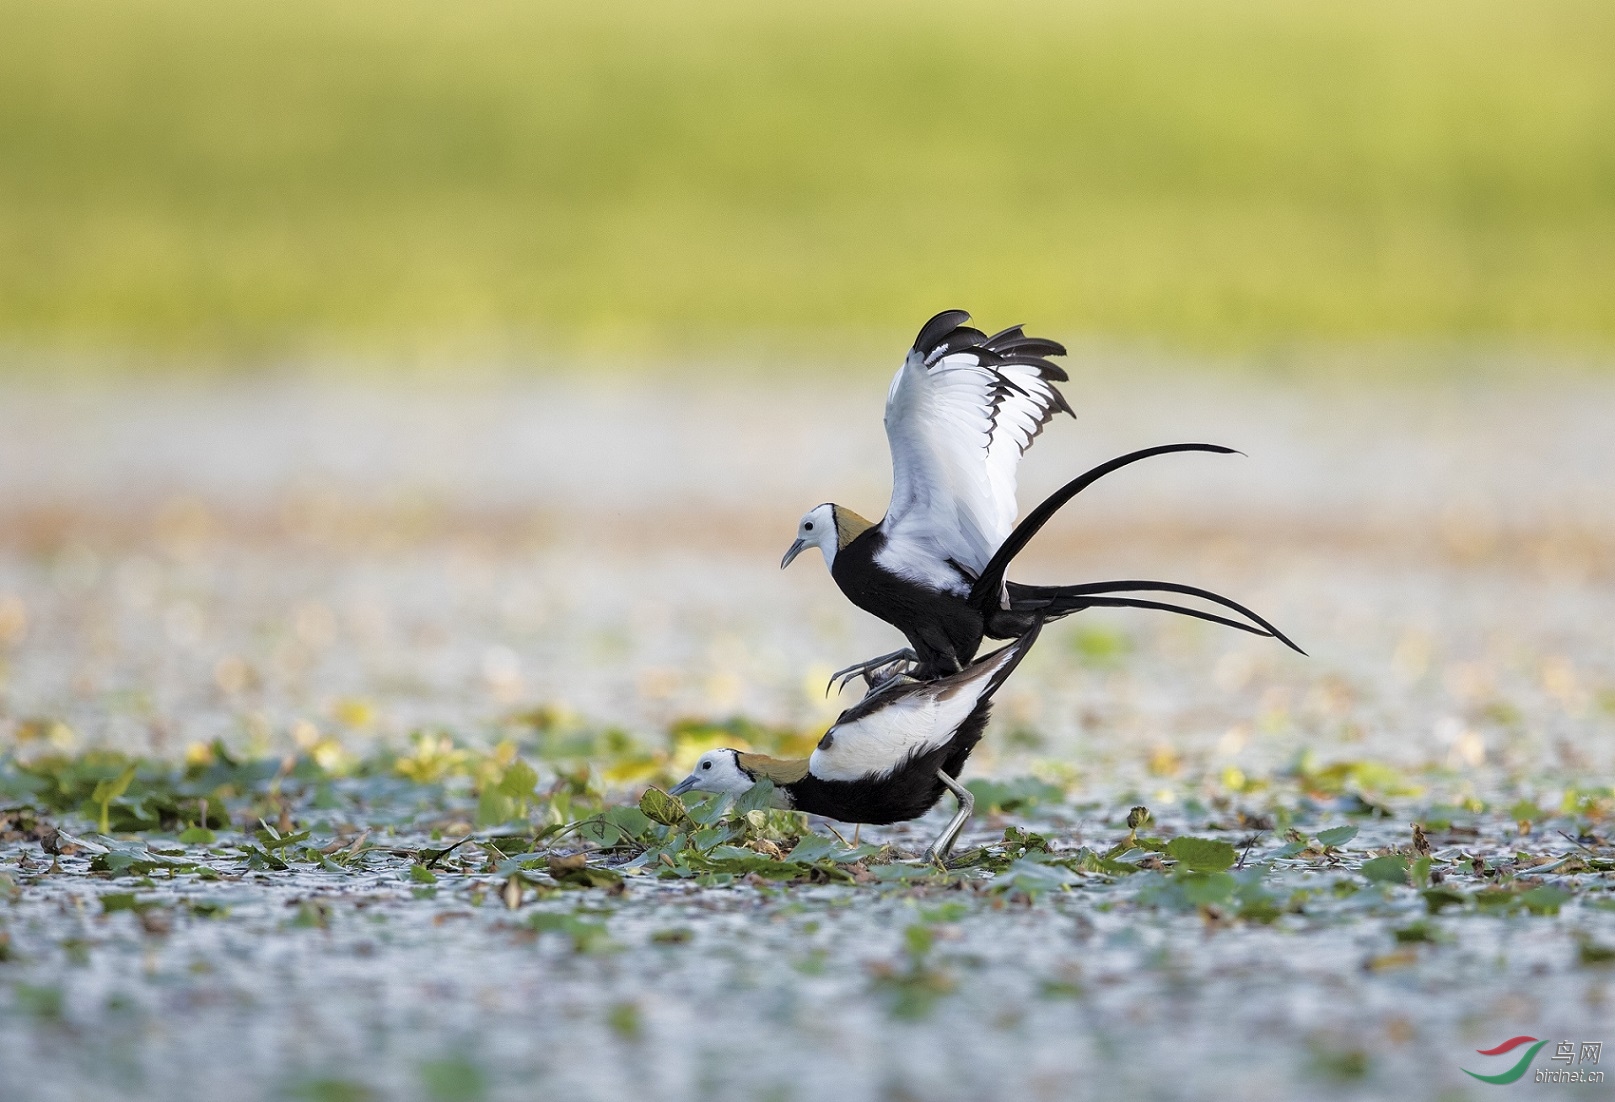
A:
[(873, 665), (950, 834)]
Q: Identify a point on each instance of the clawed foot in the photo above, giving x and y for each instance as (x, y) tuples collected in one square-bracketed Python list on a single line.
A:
[(876, 671)]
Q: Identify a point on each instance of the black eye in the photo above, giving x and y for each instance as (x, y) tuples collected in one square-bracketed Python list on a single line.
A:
[(808, 527), (706, 765)]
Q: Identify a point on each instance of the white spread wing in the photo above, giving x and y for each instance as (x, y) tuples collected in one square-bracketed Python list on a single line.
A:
[(889, 727), (961, 411)]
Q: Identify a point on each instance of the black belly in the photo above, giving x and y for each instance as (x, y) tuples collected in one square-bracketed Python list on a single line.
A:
[(944, 630)]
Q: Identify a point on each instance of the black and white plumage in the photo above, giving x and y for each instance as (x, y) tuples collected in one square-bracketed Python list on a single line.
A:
[(888, 758), (960, 413)]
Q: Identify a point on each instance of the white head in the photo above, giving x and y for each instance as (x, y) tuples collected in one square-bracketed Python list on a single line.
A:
[(717, 771), (819, 528)]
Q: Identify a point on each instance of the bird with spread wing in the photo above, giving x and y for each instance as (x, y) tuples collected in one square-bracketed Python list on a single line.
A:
[(961, 412)]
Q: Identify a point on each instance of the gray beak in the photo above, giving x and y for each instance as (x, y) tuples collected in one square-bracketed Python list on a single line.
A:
[(683, 786), (796, 549)]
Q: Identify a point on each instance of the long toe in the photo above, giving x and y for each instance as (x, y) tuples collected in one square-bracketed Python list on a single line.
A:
[(841, 678)]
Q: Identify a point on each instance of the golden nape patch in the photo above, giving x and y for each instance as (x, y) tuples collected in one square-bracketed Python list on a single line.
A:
[(849, 525), (778, 770)]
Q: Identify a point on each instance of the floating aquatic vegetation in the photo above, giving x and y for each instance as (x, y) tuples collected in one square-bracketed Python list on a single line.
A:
[(503, 849)]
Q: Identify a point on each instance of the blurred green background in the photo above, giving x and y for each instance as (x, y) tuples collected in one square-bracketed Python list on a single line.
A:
[(229, 179)]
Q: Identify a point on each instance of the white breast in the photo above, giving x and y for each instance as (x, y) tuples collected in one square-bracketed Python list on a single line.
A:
[(922, 562)]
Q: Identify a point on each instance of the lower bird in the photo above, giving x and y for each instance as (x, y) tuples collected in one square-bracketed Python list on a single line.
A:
[(888, 758)]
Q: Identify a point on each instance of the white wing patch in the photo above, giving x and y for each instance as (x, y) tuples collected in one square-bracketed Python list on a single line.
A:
[(958, 423), (871, 746)]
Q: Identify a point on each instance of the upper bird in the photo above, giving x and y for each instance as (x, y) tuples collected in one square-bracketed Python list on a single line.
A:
[(961, 412)]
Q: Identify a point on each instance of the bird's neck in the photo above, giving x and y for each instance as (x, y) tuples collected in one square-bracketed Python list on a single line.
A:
[(782, 771), (849, 526)]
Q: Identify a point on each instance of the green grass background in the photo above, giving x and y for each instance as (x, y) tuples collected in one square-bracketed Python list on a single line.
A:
[(627, 177)]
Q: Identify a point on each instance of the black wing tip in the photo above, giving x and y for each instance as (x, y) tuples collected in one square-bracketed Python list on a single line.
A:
[(1011, 345), (939, 327), (946, 333)]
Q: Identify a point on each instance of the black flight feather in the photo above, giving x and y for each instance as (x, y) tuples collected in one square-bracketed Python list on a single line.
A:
[(933, 331)]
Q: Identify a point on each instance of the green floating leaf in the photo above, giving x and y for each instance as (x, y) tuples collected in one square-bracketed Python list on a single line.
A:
[(1415, 932), (109, 790), (113, 902), (587, 937), (1014, 795), (624, 1019), (918, 939), (1527, 810), (629, 822), (904, 872), (711, 837), (814, 847), (1201, 854), (494, 808), (1337, 836), (586, 876), (453, 1079), (1088, 861), (258, 859), (272, 839), (1545, 900), (951, 911), (1031, 877), (1593, 955), (422, 875), (766, 867), (42, 1002), (1438, 899), (1390, 869), (707, 808), (197, 836), (123, 859), (659, 807), (1262, 910), (519, 781), (759, 797), (1205, 889), (333, 1090)]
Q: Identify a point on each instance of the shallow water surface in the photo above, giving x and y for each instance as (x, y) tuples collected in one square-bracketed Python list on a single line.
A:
[(327, 578)]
